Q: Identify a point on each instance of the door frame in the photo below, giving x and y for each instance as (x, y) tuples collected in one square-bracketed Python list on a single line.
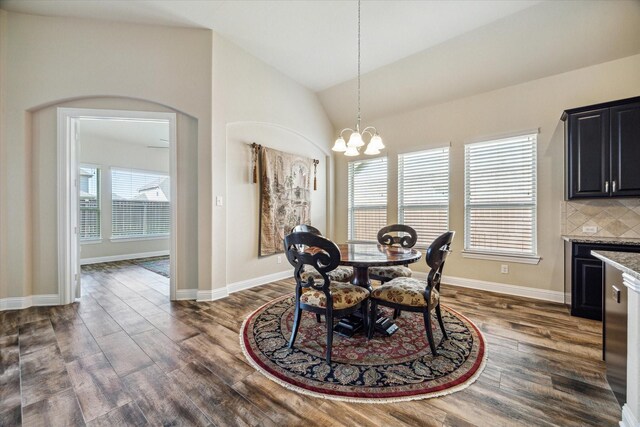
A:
[(68, 193)]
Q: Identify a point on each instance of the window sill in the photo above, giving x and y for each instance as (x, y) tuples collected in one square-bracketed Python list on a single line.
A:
[(520, 259), (361, 241), (133, 239), (91, 242)]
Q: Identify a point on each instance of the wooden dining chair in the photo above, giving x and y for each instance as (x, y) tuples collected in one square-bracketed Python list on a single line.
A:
[(408, 294), (328, 297), (340, 274), (394, 235)]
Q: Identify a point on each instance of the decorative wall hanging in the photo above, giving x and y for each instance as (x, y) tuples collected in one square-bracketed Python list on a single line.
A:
[(285, 196)]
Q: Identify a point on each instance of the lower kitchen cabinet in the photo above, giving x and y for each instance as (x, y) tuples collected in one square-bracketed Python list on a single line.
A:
[(584, 276)]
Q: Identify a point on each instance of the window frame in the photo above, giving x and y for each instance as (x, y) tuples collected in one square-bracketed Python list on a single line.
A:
[(524, 258), (138, 237), (99, 183), (350, 196), (401, 206)]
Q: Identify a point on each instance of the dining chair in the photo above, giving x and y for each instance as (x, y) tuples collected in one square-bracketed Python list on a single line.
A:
[(340, 274), (325, 296), (394, 235), (408, 294)]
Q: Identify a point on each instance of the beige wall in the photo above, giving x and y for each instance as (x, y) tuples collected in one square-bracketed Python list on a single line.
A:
[(212, 84), (536, 104), (48, 61), (254, 102), (107, 153)]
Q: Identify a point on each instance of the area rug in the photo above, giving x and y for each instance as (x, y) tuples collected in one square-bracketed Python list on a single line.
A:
[(159, 265), (381, 370)]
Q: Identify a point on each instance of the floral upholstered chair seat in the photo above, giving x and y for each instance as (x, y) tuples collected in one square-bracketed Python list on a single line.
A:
[(405, 291), (340, 274), (390, 272), (344, 295)]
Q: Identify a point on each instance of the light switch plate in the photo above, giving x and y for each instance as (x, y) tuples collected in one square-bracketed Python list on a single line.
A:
[(218, 200), (589, 228)]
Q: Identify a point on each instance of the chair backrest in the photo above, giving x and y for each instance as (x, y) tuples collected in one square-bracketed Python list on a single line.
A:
[(306, 228), (408, 240), (437, 253), (304, 248)]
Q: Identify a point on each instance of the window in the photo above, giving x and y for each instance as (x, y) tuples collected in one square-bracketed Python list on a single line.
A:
[(500, 197), (89, 203), (140, 204), (423, 192), (367, 198)]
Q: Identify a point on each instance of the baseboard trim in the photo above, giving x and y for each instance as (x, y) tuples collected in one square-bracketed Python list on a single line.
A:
[(114, 258), (628, 419), (501, 288), (212, 295), (18, 303), (186, 294), (257, 281)]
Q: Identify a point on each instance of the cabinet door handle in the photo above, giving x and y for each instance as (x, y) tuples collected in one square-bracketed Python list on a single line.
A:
[(613, 186), (606, 186)]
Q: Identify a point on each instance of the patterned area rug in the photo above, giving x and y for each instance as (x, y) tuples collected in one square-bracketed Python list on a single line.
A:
[(159, 265), (381, 370)]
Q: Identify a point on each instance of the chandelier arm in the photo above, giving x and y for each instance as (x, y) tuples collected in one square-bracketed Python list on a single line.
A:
[(370, 130), (346, 130)]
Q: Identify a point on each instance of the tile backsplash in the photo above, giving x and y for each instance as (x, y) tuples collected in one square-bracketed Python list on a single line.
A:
[(614, 218)]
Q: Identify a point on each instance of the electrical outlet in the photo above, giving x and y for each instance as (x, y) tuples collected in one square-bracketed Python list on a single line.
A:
[(589, 228), (279, 259), (504, 269)]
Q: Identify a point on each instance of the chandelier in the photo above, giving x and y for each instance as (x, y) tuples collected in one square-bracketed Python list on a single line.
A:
[(355, 141)]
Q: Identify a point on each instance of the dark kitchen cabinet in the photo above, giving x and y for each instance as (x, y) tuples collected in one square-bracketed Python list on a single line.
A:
[(584, 277), (603, 150), (587, 301), (625, 150)]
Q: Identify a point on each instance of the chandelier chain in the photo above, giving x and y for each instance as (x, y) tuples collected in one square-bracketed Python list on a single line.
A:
[(358, 124)]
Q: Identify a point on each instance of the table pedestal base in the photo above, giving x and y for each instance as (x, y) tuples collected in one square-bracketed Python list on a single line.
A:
[(348, 326)]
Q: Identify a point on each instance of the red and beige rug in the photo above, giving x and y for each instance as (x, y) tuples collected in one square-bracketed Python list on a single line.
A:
[(381, 370)]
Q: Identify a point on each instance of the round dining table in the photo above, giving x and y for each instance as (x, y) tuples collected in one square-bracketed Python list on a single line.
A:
[(361, 256)]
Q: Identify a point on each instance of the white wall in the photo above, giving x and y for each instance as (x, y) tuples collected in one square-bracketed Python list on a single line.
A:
[(535, 104), (51, 62), (252, 102), (106, 153)]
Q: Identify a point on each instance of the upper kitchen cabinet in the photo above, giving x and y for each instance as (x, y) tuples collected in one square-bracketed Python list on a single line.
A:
[(603, 150)]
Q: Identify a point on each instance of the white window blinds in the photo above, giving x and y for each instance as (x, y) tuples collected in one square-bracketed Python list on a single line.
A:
[(140, 204), (500, 196), (423, 192), (367, 198), (89, 178)]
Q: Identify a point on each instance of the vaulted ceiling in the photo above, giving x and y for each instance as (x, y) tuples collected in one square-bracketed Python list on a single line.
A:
[(414, 53)]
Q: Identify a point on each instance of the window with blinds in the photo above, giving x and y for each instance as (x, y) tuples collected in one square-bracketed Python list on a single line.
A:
[(367, 198), (423, 192), (89, 178), (500, 196), (140, 203)]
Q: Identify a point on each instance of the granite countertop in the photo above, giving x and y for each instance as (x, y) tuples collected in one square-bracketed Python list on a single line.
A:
[(627, 262), (603, 240)]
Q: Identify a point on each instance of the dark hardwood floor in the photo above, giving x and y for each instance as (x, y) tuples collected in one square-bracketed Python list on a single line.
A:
[(125, 355)]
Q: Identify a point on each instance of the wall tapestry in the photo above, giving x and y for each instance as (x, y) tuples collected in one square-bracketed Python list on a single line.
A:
[(285, 197)]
